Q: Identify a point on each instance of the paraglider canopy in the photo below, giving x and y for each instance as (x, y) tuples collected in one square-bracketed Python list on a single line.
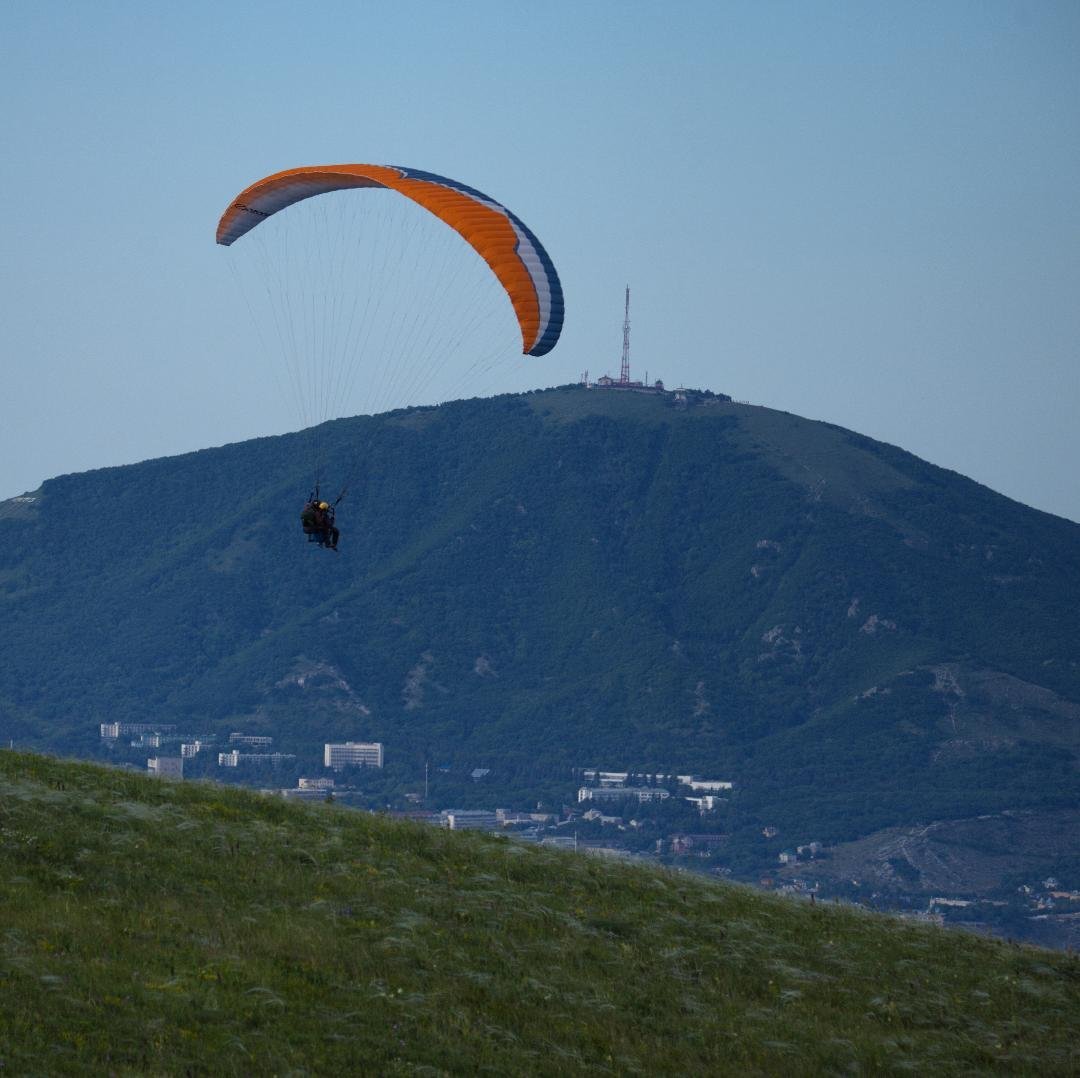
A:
[(510, 249)]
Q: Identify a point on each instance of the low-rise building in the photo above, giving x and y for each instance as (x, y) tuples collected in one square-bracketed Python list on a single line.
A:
[(315, 784), (172, 766), (306, 793), (469, 820), (252, 741), (651, 793), (706, 803), (566, 842), (605, 778), (698, 844), (353, 754), (616, 852)]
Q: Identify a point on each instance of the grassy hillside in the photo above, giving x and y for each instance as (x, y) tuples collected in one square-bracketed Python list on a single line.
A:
[(152, 927), (569, 578)]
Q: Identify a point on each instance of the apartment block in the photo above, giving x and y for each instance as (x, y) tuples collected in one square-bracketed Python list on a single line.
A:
[(353, 754)]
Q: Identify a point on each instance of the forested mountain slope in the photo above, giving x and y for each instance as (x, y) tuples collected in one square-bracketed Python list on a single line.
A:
[(856, 638)]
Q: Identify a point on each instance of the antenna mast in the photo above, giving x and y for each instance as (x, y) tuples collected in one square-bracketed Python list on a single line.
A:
[(624, 372)]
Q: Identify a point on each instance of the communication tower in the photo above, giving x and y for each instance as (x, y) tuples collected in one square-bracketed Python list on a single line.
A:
[(624, 370), (623, 382)]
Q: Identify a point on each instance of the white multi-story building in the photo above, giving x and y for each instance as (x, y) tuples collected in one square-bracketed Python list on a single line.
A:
[(617, 793), (353, 754), (134, 729), (235, 758), (621, 778)]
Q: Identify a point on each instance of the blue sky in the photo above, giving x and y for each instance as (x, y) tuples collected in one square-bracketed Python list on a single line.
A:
[(860, 212)]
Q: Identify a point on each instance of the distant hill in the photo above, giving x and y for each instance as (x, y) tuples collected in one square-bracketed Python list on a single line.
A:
[(857, 639), (156, 927)]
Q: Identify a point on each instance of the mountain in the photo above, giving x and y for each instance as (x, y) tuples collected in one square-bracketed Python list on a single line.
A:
[(572, 578), (156, 927)]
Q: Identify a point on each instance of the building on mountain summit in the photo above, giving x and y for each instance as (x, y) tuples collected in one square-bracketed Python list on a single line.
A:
[(605, 381)]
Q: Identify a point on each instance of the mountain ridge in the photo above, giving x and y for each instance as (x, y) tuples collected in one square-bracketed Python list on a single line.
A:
[(565, 579)]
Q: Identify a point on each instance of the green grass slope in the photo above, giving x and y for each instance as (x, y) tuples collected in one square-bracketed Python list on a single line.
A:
[(152, 927)]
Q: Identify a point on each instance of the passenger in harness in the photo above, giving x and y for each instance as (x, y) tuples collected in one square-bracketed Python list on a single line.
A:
[(317, 519)]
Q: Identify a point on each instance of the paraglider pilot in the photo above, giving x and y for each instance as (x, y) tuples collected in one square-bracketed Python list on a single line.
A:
[(318, 520)]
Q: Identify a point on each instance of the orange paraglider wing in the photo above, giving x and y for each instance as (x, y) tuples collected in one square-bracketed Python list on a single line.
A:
[(514, 254)]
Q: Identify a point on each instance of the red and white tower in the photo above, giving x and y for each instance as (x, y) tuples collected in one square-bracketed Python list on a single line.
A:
[(624, 370)]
